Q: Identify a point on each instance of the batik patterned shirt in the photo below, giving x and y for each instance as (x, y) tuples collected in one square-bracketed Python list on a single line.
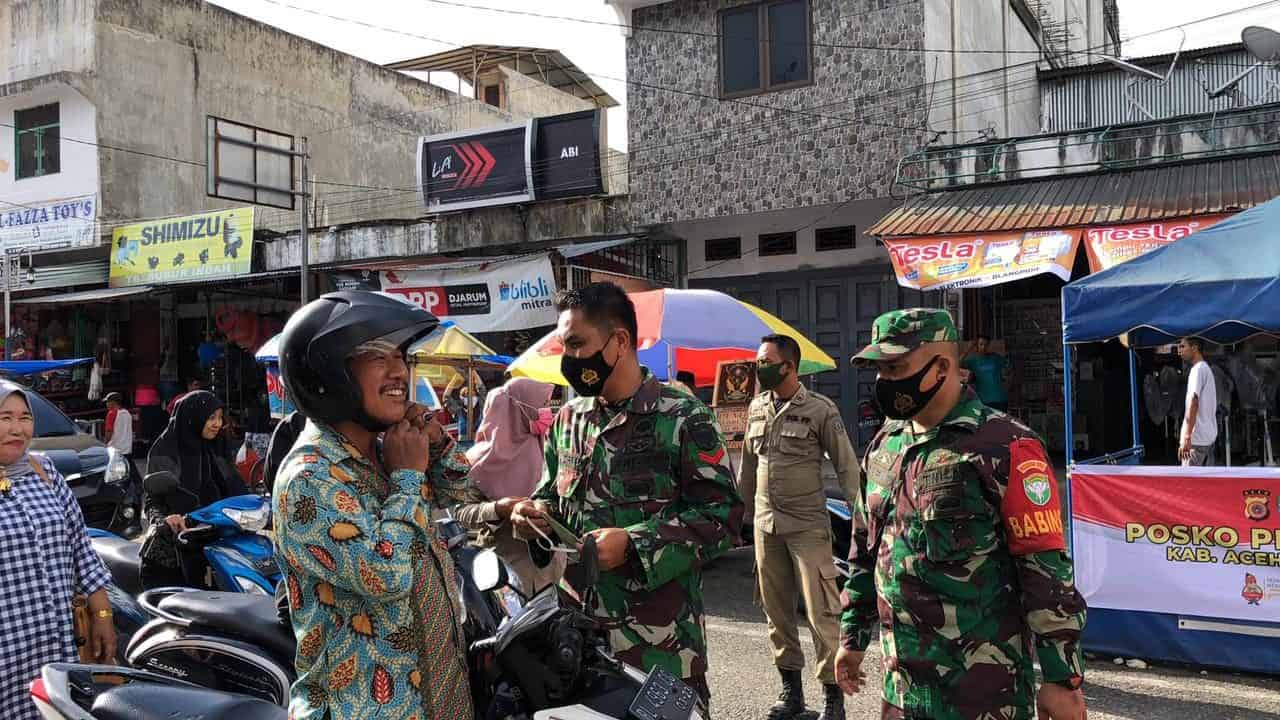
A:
[(372, 590)]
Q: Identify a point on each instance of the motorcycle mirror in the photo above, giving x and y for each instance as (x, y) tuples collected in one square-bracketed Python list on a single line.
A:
[(160, 483), (487, 571)]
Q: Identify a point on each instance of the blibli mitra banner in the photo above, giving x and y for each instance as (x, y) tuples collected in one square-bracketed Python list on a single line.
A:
[(1110, 246), (196, 247), (486, 297), (943, 263), (1186, 541)]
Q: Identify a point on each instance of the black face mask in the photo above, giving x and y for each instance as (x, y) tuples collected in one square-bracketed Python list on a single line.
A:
[(903, 399), (587, 375)]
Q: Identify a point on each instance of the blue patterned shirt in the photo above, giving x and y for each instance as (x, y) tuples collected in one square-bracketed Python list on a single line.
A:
[(45, 558)]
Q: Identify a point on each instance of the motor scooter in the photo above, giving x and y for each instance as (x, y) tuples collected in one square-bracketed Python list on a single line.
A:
[(239, 557)]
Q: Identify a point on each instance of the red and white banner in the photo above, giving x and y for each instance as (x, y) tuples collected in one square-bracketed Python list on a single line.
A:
[(1110, 246), (486, 297), (1186, 541)]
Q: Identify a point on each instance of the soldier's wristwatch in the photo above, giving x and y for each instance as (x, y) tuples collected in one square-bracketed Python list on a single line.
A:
[(1072, 683)]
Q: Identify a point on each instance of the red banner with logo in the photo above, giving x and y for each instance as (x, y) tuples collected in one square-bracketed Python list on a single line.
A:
[(1186, 541), (1110, 246), (958, 261)]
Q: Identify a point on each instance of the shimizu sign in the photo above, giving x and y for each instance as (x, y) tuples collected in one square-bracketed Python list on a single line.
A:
[(195, 247)]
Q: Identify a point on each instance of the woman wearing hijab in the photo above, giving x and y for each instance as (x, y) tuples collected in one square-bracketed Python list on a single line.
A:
[(188, 448), (506, 465), (45, 559)]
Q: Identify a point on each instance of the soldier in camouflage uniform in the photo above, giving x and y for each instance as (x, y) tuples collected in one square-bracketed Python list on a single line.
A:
[(958, 553), (642, 467)]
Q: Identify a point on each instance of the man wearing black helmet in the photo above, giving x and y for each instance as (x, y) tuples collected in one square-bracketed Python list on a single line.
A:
[(370, 590)]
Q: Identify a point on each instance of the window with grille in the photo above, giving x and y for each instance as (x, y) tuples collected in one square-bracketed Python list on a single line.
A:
[(835, 238), (36, 139), (778, 244), (722, 249)]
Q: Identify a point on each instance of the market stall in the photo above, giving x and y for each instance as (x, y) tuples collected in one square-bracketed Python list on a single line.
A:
[(1179, 564)]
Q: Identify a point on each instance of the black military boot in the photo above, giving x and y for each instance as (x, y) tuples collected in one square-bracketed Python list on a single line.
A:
[(791, 700), (833, 707)]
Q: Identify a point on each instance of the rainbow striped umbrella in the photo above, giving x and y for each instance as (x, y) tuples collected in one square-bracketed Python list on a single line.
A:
[(685, 330)]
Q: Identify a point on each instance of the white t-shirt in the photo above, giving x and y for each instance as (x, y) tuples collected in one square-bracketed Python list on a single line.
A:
[(122, 432), (1201, 383)]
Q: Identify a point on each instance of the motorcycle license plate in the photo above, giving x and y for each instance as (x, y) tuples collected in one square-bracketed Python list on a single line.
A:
[(663, 697)]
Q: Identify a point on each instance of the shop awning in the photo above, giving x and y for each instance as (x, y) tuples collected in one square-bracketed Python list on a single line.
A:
[(99, 295), (1222, 284), (1109, 198)]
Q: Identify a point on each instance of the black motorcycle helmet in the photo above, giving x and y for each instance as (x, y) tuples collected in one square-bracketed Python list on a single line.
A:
[(319, 338)]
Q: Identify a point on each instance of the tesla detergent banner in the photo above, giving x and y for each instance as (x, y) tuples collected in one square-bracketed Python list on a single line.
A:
[(948, 262), (1187, 541), (489, 297), (466, 170), (1110, 246)]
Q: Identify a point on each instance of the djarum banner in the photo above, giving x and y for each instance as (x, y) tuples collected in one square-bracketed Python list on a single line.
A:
[(948, 262), (1186, 541), (487, 297)]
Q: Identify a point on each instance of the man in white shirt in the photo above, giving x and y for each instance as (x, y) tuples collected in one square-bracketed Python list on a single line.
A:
[(1200, 424), (119, 425)]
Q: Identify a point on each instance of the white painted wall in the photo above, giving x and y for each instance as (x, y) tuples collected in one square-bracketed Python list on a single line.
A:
[(42, 37), (974, 89), (79, 161), (861, 214)]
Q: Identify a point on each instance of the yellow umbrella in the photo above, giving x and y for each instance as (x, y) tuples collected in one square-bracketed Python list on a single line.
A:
[(437, 357)]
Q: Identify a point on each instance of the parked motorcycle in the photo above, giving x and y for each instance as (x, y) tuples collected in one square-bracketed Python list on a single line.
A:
[(239, 558), (547, 655), (106, 692)]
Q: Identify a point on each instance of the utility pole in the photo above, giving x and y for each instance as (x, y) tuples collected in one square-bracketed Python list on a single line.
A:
[(303, 222)]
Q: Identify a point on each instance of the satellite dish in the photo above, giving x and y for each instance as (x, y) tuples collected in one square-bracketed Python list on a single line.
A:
[(1129, 67), (1140, 74), (1263, 44)]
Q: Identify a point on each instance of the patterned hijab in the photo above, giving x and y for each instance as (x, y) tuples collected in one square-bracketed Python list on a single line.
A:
[(21, 466), (506, 460)]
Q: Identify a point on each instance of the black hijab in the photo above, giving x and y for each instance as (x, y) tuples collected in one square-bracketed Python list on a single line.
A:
[(199, 467)]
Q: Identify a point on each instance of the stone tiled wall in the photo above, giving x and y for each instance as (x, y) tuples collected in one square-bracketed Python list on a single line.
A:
[(694, 156)]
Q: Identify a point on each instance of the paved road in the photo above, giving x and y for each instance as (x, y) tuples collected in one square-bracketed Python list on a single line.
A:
[(744, 683)]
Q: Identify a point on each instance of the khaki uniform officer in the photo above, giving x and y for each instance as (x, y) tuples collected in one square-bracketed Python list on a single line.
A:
[(789, 429)]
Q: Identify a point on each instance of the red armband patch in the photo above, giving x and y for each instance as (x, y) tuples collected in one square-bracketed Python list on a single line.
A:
[(1031, 511)]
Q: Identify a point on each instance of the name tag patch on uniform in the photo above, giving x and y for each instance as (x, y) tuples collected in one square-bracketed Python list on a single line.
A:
[(798, 418), (1032, 513)]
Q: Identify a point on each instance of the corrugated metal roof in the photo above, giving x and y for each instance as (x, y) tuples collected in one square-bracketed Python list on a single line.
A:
[(1169, 191), (550, 66)]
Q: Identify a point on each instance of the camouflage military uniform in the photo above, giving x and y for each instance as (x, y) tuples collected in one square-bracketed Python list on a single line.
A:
[(958, 556), (655, 466)]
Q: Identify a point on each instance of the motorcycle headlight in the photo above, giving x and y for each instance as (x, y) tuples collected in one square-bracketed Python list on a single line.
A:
[(117, 467), (250, 520), (250, 587)]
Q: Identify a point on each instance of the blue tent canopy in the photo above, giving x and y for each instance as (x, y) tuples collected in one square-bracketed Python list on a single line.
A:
[(35, 367), (1222, 284)]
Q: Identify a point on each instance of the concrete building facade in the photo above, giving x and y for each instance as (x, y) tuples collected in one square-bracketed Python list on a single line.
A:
[(767, 135), (132, 83)]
